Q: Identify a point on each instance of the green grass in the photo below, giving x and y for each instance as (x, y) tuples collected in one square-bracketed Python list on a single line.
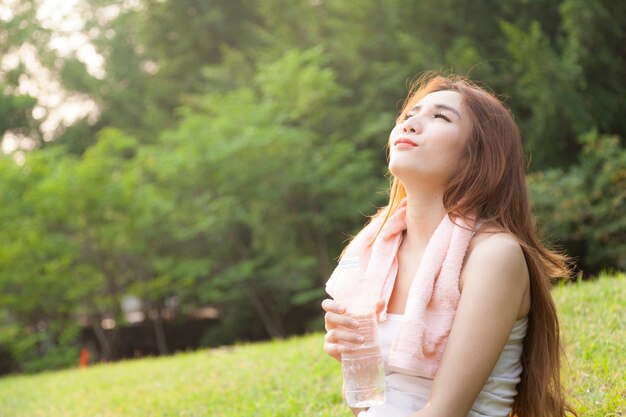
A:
[(288, 378), (295, 378), (593, 324)]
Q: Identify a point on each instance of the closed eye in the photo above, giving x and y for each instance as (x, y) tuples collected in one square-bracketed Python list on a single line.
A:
[(435, 116), (442, 116)]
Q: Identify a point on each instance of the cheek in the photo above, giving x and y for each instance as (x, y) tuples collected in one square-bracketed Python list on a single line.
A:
[(394, 132), (456, 147), (452, 140), (448, 152)]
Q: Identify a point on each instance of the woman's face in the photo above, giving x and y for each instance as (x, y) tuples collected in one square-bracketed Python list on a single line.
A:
[(430, 142)]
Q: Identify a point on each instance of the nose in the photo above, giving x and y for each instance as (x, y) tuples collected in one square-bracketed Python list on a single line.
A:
[(412, 125)]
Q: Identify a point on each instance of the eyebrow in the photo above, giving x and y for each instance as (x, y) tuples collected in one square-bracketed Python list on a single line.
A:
[(436, 106)]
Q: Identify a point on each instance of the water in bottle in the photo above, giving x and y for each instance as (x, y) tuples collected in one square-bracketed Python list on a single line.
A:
[(363, 370)]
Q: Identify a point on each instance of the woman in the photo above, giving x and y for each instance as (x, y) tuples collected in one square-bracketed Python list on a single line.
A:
[(479, 336)]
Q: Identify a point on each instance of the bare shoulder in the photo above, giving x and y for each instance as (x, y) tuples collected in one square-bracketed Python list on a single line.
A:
[(496, 256), (497, 244)]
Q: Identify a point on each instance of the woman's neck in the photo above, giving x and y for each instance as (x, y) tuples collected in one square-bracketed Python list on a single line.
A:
[(424, 212)]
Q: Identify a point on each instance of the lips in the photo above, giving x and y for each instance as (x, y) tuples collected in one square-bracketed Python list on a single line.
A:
[(405, 141)]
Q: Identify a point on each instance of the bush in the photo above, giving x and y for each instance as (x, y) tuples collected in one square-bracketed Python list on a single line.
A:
[(582, 208)]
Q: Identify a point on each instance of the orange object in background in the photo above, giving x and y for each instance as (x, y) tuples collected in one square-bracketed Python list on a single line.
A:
[(84, 358)]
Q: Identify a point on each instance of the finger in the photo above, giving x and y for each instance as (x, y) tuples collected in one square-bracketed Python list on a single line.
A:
[(334, 320), (330, 305), (332, 350), (343, 336), (335, 350)]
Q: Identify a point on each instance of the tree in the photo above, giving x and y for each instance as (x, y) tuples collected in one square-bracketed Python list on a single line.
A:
[(21, 31), (237, 142), (264, 189), (37, 295), (582, 207)]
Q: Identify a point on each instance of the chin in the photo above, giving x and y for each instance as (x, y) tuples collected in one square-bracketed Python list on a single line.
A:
[(410, 174), (402, 165), (403, 171)]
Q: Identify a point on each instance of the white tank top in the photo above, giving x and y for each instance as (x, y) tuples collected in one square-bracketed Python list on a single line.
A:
[(407, 393)]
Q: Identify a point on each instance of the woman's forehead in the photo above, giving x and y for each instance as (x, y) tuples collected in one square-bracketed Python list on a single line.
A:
[(449, 97), (445, 99)]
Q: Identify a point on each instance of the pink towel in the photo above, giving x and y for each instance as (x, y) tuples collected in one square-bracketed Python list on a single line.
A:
[(434, 294)]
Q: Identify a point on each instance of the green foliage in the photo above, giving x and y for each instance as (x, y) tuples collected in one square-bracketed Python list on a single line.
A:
[(233, 208), (14, 112), (295, 377), (594, 42), (32, 259), (19, 31), (239, 142), (583, 206), (122, 94), (267, 181), (542, 84)]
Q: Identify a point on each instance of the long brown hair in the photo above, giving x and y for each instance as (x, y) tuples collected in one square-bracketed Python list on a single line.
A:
[(490, 184)]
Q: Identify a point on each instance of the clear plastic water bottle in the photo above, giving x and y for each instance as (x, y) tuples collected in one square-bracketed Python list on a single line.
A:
[(363, 370)]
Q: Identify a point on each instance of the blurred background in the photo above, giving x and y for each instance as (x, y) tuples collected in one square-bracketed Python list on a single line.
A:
[(178, 174)]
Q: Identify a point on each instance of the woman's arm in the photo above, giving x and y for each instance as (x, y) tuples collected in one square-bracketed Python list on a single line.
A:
[(495, 292)]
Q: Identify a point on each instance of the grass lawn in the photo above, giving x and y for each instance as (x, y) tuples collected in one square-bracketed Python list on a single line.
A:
[(295, 378), (593, 324)]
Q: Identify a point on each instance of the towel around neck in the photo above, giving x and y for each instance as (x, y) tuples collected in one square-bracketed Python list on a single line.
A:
[(434, 294)]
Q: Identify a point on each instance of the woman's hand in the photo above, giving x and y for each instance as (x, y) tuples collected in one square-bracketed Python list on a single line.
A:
[(341, 330)]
